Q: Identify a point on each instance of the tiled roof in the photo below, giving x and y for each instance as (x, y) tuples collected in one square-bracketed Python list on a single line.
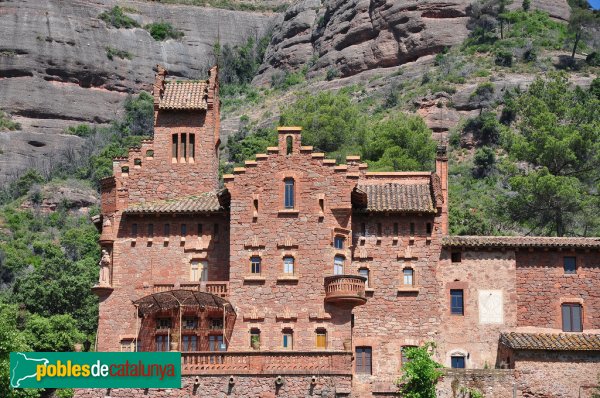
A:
[(519, 241), (394, 197), (184, 95), (548, 341), (207, 202)]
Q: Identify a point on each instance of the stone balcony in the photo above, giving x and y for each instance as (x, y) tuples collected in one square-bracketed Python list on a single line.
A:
[(218, 288), (267, 362), (348, 290)]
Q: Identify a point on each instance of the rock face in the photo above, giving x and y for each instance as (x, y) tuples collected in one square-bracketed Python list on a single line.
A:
[(54, 71), (352, 36)]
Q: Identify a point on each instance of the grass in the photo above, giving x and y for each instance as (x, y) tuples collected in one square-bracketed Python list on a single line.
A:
[(7, 124), (116, 17), (228, 5), (162, 31), (111, 53)]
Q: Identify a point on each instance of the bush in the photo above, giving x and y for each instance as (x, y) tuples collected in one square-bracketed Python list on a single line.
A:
[(421, 373), (332, 73), (239, 64), (162, 31), (484, 162), (7, 124), (530, 55), (113, 52), (526, 5), (117, 18), (284, 80), (595, 87), (503, 58), (485, 128), (82, 130), (593, 59)]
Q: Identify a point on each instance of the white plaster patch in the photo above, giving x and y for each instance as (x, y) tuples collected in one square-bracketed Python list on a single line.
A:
[(491, 307)]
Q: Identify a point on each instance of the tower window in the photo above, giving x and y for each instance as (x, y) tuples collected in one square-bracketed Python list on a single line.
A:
[(395, 229), (338, 265), (150, 230), (174, 149), (428, 228), (321, 339), (167, 230), (338, 242), (363, 360), (288, 144), (255, 338), (183, 229), (288, 339), (289, 193), (457, 361), (192, 146), (569, 265), (412, 229), (134, 230), (183, 146), (364, 272)]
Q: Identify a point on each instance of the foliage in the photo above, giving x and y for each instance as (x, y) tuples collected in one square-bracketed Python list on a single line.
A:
[(113, 52), (55, 333), (421, 373), (287, 79), (471, 392), (242, 145), (593, 59), (485, 128), (484, 162), (239, 64), (81, 130), (230, 5), (579, 20), (7, 124), (332, 73), (20, 186), (504, 58), (116, 17), (162, 31), (595, 87), (483, 95), (526, 5), (139, 115)]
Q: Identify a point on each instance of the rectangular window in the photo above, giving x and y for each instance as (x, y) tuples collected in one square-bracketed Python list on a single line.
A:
[(412, 229), (134, 230), (321, 339), (338, 265), (216, 324), (150, 230), (379, 229), (163, 323), (127, 345), (199, 229), (570, 265), (198, 271), (363, 229), (192, 146), (216, 229), (571, 318), (162, 342), (183, 229), (363, 360), (457, 362), (255, 265), (364, 272), (408, 276), (338, 242), (215, 343), (287, 342), (289, 193), (183, 146), (190, 322), (456, 302), (428, 228), (189, 342), (167, 230), (288, 265), (255, 338), (456, 257), (395, 229), (174, 147)]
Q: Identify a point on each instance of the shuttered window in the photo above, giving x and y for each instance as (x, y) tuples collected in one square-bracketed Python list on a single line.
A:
[(571, 318), (363, 360)]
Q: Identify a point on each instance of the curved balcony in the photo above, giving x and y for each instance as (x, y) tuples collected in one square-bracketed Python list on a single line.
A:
[(345, 290)]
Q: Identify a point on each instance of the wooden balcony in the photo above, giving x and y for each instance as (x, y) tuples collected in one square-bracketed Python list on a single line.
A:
[(272, 362), (348, 290), (218, 288)]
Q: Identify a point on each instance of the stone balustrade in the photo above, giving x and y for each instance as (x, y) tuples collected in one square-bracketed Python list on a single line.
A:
[(345, 289), (218, 288), (271, 362)]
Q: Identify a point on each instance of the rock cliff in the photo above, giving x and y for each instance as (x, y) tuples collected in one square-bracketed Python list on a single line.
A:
[(54, 69)]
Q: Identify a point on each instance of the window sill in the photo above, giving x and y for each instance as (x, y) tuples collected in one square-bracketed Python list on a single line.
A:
[(288, 278), (254, 278), (369, 290), (288, 212), (408, 289)]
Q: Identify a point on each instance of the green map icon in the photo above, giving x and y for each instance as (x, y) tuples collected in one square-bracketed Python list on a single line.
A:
[(23, 367)]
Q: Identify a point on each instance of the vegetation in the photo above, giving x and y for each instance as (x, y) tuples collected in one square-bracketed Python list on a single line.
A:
[(112, 52), (421, 373), (228, 5), (81, 130), (238, 64), (7, 124), (162, 31), (116, 17)]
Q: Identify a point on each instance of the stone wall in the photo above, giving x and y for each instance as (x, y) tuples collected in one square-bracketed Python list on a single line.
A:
[(491, 382), (252, 386)]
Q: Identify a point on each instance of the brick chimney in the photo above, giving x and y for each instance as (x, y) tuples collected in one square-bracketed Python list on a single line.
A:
[(441, 169)]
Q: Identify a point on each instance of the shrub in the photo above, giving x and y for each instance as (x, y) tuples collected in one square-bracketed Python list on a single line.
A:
[(284, 80), (593, 59), (595, 87), (526, 5), (332, 73), (162, 31), (113, 52), (117, 18), (421, 373), (7, 124), (239, 64), (503, 58), (484, 162), (82, 130), (530, 55), (485, 128)]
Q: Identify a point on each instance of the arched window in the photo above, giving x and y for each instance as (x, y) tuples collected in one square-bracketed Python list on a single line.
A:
[(288, 193), (288, 144), (338, 265)]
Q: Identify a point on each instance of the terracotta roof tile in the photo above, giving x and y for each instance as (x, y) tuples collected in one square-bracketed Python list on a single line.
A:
[(520, 241), (548, 341), (395, 197), (207, 202), (184, 95)]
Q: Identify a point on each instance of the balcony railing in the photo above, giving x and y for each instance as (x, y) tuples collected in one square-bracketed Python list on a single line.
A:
[(218, 288), (275, 362), (345, 289)]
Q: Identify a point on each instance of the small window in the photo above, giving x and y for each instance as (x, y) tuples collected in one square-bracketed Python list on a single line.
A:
[(364, 272), (190, 322), (167, 230), (363, 229), (162, 342), (163, 323), (395, 229), (255, 338), (404, 352), (255, 265), (457, 361), (127, 345), (192, 146), (338, 242), (570, 265), (288, 265), (288, 339), (338, 265), (137, 162), (289, 193), (408, 274), (183, 229), (215, 343), (571, 318), (198, 271), (174, 146), (183, 146), (150, 153), (321, 339), (288, 144), (379, 230), (412, 229), (125, 169), (134, 230), (199, 229), (428, 228), (456, 302), (456, 257), (189, 343), (150, 230), (363, 360), (216, 324)]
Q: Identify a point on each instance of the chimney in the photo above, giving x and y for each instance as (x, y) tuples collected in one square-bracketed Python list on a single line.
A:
[(159, 85), (441, 169)]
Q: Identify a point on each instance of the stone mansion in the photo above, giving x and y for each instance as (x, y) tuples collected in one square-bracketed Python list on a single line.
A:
[(302, 277)]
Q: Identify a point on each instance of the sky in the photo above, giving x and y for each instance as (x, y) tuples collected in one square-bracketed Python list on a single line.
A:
[(595, 3)]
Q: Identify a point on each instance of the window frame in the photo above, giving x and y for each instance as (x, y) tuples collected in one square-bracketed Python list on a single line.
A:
[(289, 199), (162, 343), (287, 339), (570, 307), (339, 242), (189, 343), (455, 256), (255, 336), (321, 332), (287, 263), (412, 276), (567, 269), (458, 357), (337, 263), (361, 272), (364, 360), (255, 266), (454, 308)]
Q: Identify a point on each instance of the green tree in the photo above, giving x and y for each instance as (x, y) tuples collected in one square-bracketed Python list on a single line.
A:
[(421, 373), (484, 162), (579, 20), (595, 87), (55, 333), (526, 5)]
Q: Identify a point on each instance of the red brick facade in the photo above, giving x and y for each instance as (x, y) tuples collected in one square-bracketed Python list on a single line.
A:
[(326, 269)]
